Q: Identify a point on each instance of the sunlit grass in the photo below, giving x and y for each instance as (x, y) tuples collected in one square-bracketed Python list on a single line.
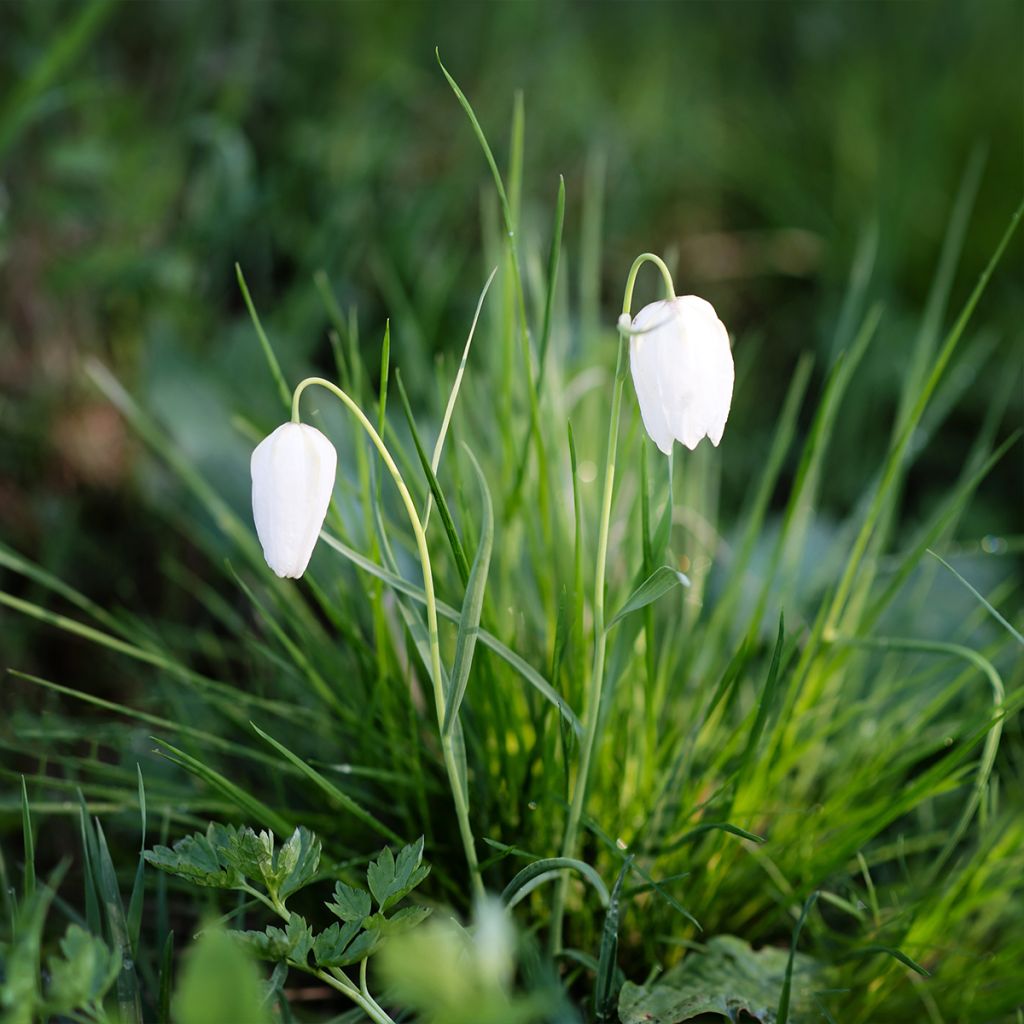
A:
[(785, 725)]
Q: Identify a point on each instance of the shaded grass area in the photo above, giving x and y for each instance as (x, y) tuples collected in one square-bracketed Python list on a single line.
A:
[(868, 740)]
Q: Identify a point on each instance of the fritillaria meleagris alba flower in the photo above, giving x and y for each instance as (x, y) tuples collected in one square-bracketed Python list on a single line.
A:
[(292, 479), (682, 371)]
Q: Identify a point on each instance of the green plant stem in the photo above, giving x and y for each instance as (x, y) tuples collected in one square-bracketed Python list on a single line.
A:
[(592, 712), (367, 1004), (458, 796)]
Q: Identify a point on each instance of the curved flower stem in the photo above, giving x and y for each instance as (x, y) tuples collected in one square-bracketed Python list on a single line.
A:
[(591, 716), (366, 1003), (458, 795)]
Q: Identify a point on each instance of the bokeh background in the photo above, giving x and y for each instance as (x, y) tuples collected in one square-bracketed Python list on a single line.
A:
[(772, 151)]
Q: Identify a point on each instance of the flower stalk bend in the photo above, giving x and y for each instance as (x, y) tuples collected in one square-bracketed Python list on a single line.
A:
[(591, 717), (458, 795)]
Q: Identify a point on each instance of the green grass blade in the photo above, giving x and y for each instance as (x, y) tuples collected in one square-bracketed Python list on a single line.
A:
[(659, 583), (994, 612), (166, 979), (605, 988), (894, 460), (138, 887), (550, 868), (435, 460), (552, 283), (454, 541), (472, 605), (244, 801), (527, 671), (333, 792), (28, 842), (268, 351), (782, 1014), (129, 999)]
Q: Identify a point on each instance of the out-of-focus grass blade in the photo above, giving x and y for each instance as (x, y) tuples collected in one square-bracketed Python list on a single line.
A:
[(435, 488), (551, 868), (161, 661), (499, 185), (527, 671), (59, 55), (472, 605), (28, 842), (295, 651), (951, 508), (552, 282), (994, 612), (246, 802), (339, 796), (166, 979), (894, 460), (268, 351), (219, 510), (766, 700), (659, 583), (782, 1014)]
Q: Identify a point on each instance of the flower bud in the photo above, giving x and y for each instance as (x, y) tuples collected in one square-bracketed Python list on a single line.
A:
[(292, 479), (682, 371)]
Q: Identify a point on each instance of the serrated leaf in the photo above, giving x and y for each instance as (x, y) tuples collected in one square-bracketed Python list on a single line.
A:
[(298, 860), (330, 945), (248, 853), (83, 972), (364, 945), (391, 879), (401, 921), (350, 903), (725, 980), (380, 875), (292, 943), (198, 860)]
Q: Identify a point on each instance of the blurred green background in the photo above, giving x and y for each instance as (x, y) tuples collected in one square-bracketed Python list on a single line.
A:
[(770, 150)]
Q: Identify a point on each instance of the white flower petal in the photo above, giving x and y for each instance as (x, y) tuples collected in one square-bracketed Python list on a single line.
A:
[(292, 478), (682, 370)]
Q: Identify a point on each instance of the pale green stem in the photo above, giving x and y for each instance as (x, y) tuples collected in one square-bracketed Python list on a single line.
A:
[(459, 798), (591, 717), (368, 1005)]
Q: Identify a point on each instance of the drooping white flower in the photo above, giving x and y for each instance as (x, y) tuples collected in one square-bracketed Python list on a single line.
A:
[(682, 371), (292, 479)]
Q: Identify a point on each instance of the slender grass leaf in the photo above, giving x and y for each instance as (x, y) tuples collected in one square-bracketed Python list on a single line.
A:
[(472, 605), (659, 583), (328, 787)]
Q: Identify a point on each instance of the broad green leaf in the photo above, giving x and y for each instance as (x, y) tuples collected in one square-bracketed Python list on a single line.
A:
[(350, 904), (298, 860), (364, 945), (660, 582), (198, 859), (727, 979), (292, 943), (401, 921), (330, 945)]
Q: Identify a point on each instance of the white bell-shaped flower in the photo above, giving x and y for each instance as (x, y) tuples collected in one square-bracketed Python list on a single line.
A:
[(682, 371), (292, 479)]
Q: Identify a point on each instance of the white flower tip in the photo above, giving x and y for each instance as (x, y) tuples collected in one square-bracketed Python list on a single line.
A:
[(292, 478), (682, 370)]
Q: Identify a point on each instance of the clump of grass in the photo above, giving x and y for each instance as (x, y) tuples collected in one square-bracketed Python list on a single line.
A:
[(781, 727)]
